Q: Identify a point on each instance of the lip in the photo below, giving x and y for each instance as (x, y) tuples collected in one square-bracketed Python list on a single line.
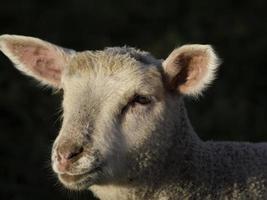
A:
[(70, 179)]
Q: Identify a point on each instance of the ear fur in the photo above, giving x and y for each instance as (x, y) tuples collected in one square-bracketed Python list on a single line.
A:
[(37, 58), (189, 69)]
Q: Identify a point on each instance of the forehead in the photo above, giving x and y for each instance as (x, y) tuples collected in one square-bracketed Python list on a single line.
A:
[(110, 61), (115, 66)]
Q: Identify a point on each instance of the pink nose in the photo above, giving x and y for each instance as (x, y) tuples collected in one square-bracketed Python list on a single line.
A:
[(67, 154)]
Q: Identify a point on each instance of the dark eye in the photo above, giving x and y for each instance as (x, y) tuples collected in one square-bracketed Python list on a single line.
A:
[(137, 99), (141, 100)]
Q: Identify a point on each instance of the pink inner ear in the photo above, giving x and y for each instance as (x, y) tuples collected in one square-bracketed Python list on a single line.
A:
[(192, 69), (42, 61)]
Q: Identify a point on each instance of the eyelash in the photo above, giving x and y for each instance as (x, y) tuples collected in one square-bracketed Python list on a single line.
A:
[(143, 100), (137, 99)]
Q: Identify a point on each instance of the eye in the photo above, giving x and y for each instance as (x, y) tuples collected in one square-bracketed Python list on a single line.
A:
[(141, 100), (137, 99)]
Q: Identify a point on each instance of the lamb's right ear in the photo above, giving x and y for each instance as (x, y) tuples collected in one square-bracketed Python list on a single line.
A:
[(37, 58)]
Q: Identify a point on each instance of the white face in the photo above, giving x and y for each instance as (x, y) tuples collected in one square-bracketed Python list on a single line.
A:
[(107, 115), (115, 102)]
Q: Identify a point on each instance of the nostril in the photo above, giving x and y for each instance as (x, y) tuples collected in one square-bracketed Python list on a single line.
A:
[(75, 152)]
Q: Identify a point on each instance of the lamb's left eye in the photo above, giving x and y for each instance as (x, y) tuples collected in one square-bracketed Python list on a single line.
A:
[(137, 99), (141, 100)]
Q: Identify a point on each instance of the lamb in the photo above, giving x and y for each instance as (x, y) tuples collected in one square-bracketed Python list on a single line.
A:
[(125, 133)]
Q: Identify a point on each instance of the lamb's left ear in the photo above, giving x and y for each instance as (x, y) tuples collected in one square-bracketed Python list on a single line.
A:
[(190, 68), (37, 58)]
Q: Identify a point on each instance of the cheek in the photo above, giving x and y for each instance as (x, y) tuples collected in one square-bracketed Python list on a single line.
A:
[(139, 124), (136, 116), (138, 111)]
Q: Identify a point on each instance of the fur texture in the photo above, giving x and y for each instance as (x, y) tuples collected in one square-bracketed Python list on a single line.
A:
[(126, 134)]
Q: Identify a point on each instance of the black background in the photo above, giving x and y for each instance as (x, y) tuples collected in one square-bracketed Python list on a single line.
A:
[(234, 107)]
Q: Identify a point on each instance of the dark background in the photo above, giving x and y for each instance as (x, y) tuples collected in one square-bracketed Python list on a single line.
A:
[(234, 108)]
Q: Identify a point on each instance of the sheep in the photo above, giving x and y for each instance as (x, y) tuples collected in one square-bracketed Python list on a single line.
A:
[(125, 133)]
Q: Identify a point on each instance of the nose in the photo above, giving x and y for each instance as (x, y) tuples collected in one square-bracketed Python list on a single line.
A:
[(68, 153)]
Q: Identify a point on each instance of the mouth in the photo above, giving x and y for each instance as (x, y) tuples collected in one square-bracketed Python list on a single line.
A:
[(79, 181)]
